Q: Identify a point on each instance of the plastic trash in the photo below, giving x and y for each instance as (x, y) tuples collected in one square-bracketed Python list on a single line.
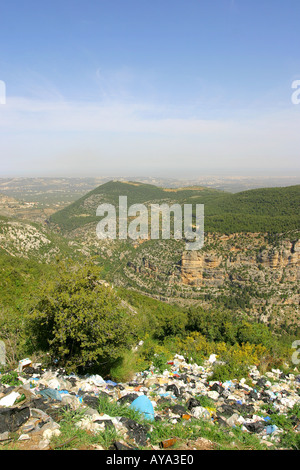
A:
[(267, 418), (228, 384), (110, 382), (217, 388), (201, 412), (24, 363), (178, 409), (193, 403), (255, 427), (167, 394), (186, 417), (144, 406), (51, 393), (12, 418), (172, 388), (136, 431), (121, 446), (213, 395), (233, 420), (10, 399), (176, 375), (271, 428), (167, 443), (96, 380), (212, 358)]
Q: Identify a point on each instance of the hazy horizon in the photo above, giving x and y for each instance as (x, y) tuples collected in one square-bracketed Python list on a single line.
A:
[(161, 175)]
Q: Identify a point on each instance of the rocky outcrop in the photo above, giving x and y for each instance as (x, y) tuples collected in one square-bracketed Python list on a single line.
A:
[(219, 260), (287, 255), (197, 267)]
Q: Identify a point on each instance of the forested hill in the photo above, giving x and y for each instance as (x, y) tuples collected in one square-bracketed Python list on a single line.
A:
[(259, 210), (273, 210)]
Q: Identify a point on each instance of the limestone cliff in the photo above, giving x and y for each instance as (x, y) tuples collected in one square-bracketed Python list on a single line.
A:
[(254, 272), (209, 267)]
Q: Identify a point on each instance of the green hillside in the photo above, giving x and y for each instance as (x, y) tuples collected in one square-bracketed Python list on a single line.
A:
[(83, 211), (259, 210), (34, 241)]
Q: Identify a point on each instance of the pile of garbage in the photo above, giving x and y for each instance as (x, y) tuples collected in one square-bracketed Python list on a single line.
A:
[(32, 408)]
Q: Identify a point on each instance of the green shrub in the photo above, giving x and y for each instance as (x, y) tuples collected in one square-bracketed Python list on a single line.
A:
[(12, 332), (80, 322), (223, 372), (158, 319), (125, 367), (154, 353), (160, 362), (10, 378)]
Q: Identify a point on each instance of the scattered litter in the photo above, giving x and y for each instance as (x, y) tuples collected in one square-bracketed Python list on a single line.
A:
[(167, 443), (183, 392), (212, 358), (24, 363), (10, 399)]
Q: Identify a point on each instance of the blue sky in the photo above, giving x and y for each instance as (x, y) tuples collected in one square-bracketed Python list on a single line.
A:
[(160, 87)]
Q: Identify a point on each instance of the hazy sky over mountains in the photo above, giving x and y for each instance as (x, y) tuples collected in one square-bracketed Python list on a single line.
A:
[(168, 88)]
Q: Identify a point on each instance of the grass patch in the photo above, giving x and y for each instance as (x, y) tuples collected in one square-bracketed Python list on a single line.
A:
[(115, 409)]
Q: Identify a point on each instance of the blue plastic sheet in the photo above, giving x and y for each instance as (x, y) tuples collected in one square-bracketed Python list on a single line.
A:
[(51, 393), (270, 429), (110, 382), (144, 406), (267, 418)]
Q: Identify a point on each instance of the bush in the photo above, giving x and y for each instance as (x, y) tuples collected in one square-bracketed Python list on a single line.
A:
[(237, 359), (125, 367), (157, 318), (10, 378), (153, 353), (215, 325), (12, 334), (229, 371), (195, 346), (80, 322)]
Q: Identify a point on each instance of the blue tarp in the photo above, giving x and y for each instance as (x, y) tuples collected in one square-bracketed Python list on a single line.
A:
[(144, 406)]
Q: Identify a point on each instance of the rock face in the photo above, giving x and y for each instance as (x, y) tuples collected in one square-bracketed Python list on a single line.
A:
[(198, 268), (288, 255), (252, 271), (210, 268)]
